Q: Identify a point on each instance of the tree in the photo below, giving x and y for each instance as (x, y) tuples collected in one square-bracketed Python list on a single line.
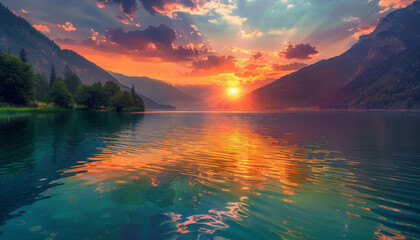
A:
[(110, 89), (122, 100), (41, 88), (72, 82), (91, 96), (60, 95), (22, 55), (53, 76), (17, 85), (137, 100)]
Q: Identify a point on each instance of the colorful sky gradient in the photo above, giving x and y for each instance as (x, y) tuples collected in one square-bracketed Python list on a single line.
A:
[(222, 42)]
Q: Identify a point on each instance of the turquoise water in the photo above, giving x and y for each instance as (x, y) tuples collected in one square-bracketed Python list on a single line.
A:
[(209, 175)]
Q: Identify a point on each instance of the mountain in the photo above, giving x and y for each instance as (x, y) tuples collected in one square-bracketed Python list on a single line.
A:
[(158, 90), (380, 71), (16, 33)]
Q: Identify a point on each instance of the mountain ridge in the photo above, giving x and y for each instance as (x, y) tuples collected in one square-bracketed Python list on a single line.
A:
[(17, 33), (333, 82)]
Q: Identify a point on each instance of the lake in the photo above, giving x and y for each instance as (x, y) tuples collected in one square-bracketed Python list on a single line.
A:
[(210, 175)]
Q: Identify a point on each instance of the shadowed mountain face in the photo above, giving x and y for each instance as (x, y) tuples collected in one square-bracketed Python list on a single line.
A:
[(380, 71), (16, 33), (158, 90)]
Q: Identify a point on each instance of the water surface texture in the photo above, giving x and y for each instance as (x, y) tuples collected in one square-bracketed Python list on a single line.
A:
[(209, 175)]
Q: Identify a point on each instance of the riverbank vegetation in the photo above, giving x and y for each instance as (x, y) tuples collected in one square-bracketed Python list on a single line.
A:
[(22, 90)]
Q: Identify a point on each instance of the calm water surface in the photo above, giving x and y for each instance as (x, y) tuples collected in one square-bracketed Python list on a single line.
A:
[(203, 175)]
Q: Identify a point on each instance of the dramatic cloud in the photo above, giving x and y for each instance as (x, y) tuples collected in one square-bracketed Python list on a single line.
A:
[(152, 6), (300, 51), (388, 4), (363, 30), (213, 65), (152, 42), (67, 27), (288, 67), (41, 28)]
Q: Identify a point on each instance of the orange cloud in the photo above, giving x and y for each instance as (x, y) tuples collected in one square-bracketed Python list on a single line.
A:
[(67, 27), (363, 30), (41, 28), (23, 11), (388, 4)]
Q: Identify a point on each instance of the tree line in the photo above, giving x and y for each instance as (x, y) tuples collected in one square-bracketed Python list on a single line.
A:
[(20, 86)]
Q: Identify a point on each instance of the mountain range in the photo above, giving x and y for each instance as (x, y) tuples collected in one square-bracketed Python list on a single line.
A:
[(159, 91), (382, 70), (16, 33)]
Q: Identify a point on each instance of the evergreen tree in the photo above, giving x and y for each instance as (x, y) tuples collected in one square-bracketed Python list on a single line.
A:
[(133, 90), (22, 55), (53, 76), (137, 100), (17, 85)]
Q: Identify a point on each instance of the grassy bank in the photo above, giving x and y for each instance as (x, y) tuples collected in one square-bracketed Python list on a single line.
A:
[(42, 107)]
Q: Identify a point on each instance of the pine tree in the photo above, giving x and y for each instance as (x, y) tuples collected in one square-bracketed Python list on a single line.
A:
[(53, 76), (133, 91), (22, 55)]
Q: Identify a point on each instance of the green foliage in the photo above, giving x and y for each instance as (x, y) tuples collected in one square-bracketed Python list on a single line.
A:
[(41, 88), (22, 55), (122, 99), (110, 89), (72, 82), (17, 85), (91, 96), (138, 102), (60, 95)]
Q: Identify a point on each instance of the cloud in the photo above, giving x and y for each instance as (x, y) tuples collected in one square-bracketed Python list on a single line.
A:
[(300, 51), (288, 67), (254, 34), (23, 11), (351, 19), (152, 42), (388, 4), (67, 27), (213, 65), (152, 6), (171, 7), (363, 30), (257, 55), (41, 28), (127, 20)]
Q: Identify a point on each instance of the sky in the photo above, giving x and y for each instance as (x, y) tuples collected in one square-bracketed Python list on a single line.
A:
[(215, 42)]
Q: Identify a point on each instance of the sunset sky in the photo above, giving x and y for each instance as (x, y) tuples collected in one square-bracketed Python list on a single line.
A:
[(222, 42)]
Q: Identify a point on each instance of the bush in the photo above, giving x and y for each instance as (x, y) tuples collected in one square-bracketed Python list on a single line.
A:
[(60, 96)]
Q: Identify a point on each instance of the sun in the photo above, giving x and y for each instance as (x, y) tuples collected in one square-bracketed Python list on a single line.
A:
[(233, 91)]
